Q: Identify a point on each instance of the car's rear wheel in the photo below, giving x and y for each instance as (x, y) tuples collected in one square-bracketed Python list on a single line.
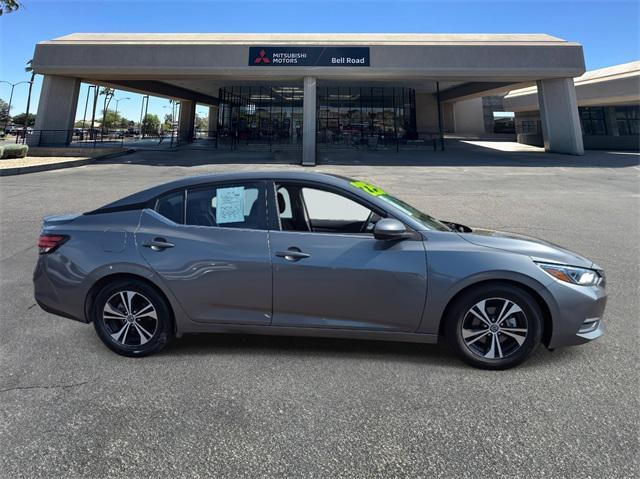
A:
[(494, 326), (131, 318)]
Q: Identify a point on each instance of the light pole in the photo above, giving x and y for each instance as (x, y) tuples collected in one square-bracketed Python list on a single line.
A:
[(118, 100), (86, 104), (29, 69), (145, 101), (92, 134), (13, 85)]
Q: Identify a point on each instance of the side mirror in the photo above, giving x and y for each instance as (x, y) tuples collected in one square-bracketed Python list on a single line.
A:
[(390, 229)]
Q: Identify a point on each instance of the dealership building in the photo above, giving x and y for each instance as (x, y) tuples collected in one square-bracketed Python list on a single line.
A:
[(608, 106), (317, 89)]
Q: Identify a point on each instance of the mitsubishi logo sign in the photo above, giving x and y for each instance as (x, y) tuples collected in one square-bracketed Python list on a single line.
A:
[(309, 56), (262, 57)]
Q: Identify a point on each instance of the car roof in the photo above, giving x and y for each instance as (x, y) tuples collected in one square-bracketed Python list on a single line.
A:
[(144, 197)]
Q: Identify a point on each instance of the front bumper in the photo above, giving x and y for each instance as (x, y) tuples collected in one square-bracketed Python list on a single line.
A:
[(591, 329), (579, 313)]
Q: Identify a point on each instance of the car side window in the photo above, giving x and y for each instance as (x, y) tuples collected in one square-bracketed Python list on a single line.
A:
[(171, 206), (303, 208), (325, 205), (284, 203), (239, 205)]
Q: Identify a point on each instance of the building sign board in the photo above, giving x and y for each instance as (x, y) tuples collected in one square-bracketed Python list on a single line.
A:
[(309, 56)]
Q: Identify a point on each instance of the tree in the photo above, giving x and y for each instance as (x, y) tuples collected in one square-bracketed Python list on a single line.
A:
[(20, 119), (4, 111), (202, 123), (111, 119), (124, 123), (168, 122), (150, 124), (108, 95), (8, 6)]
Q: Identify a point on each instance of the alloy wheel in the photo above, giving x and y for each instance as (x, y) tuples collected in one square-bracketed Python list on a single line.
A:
[(130, 318), (494, 328)]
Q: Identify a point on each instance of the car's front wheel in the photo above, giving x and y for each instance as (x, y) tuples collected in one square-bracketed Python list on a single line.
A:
[(494, 326), (132, 318)]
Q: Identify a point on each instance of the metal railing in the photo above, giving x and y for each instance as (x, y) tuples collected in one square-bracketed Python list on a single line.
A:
[(235, 140), (224, 140), (77, 138), (415, 141)]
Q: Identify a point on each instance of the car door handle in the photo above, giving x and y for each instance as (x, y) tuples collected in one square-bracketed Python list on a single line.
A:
[(158, 244), (292, 255)]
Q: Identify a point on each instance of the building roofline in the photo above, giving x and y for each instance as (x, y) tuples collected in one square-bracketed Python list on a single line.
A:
[(605, 74), (311, 39)]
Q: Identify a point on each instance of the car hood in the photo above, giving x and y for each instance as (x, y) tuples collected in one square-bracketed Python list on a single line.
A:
[(537, 249)]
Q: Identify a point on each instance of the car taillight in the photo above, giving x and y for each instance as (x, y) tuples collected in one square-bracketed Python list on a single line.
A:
[(49, 243)]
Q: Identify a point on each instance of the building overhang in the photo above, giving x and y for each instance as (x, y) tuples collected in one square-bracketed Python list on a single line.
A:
[(225, 58), (615, 85)]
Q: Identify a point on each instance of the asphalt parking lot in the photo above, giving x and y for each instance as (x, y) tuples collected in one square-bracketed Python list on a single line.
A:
[(240, 406)]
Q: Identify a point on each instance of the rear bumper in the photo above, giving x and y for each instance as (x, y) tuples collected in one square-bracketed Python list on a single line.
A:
[(47, 294), (579, 315)]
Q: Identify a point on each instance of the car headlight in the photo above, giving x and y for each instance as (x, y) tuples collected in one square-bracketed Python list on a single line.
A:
[(572, 274)]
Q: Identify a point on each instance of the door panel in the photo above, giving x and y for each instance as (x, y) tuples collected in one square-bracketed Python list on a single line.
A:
[(347, 281), (219, 275)]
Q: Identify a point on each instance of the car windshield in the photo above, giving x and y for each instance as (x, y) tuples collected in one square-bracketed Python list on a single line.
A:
[(428, 221)]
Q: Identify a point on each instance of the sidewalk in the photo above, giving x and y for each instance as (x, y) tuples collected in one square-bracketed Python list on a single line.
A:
[(37, 162)]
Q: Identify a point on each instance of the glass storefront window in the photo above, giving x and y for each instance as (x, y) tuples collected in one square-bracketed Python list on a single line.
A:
[(348, 116), (355, 116), (262, 114), (628, 120), (592, 120)]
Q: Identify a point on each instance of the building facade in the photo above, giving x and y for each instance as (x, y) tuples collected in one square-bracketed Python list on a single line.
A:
[(316, 89), (608, 106)]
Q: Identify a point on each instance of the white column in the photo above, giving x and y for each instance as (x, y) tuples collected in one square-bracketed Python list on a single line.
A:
[(309, 122), (186, 120), (559, 116), (56, 111)]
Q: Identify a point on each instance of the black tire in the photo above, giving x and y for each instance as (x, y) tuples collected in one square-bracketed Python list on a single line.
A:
[(489, 345), (139, 339)]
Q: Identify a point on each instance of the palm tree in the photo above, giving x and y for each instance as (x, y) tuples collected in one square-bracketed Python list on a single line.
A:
[(108, 95), (8, 6), (29, 69)]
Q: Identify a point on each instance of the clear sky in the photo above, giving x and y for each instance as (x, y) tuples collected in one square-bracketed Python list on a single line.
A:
[(608, 30)]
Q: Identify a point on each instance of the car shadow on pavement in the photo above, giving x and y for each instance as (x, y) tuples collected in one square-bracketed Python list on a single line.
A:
[(210, 344), (390, 351)]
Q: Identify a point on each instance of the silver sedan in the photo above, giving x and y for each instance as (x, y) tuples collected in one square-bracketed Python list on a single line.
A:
[(310, 255)]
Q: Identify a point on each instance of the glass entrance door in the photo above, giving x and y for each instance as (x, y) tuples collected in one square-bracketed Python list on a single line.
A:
[(260, 114), (357, 116)]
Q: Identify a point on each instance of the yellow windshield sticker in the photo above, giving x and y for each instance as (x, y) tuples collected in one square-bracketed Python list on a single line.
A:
[(368, 188)]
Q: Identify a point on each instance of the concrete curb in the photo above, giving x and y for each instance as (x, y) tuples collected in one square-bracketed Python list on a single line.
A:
[(22, 170)]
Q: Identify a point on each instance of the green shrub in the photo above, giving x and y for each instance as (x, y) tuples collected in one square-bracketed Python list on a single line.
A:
[(1, 151), (14, 151)]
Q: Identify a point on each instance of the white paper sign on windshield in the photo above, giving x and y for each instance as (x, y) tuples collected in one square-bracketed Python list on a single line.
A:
[(230, 205)]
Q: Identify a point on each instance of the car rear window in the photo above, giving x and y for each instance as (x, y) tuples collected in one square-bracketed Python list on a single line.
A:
[(228, 206), (171, 206)]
